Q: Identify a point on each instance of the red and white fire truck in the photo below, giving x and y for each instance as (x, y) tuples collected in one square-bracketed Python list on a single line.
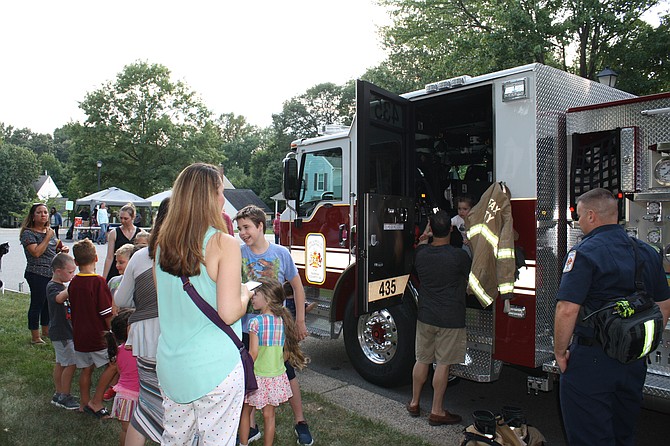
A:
[(357, 196)]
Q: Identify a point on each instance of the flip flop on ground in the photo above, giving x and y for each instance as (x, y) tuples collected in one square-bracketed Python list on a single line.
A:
[(102, 414)]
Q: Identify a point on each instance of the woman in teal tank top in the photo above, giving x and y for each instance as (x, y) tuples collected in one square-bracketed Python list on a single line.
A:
[(198, 366)]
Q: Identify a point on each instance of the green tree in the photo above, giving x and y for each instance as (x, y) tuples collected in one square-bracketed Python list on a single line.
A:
[(56, 170), (303, 115), (145, 128), (642, 61), (37, 142), (435, 39), (19, 168), (239, 140)]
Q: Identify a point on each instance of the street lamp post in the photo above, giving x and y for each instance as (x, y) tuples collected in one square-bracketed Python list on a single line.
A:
[(99, 164)]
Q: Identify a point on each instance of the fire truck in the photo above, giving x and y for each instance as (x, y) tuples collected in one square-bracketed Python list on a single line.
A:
[(358, 196)]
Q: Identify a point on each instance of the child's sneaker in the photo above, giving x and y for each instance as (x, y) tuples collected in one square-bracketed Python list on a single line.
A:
[(55, 400), (69, 402), (109, 394), (304, 436), (254, 434)]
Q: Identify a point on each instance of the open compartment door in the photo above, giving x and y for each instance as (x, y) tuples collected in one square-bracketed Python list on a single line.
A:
[(385, 212)]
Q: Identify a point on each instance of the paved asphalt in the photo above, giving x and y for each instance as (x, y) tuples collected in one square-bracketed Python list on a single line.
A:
[(331, 374)]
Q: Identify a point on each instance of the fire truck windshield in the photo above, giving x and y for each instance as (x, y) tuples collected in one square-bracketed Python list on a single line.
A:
[(321, 179)]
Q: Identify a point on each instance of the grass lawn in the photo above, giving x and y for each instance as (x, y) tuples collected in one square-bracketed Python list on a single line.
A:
[(27, 417)]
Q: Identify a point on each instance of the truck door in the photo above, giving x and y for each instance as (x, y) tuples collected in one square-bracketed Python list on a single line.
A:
[(385, 211)]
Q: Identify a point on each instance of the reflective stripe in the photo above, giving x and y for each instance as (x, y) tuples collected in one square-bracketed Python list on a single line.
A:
[(492, 239), (506, 253), (648, 337), (485, 232), (479, 291), (506, 288)]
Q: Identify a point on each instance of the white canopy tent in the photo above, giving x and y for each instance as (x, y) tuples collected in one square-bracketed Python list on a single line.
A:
[(113, 196), (156, 199)]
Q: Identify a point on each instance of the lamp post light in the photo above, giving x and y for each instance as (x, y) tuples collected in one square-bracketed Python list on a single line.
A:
[(99, 164), (607, 77)]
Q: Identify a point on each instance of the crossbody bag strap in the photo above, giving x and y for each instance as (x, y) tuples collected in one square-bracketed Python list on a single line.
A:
[(210, 312), (639, 281)]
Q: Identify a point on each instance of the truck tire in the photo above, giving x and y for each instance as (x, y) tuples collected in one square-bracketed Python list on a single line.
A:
[(380, 345)]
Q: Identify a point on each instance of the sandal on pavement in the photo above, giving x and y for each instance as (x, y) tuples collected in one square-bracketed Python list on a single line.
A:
[(102, 414)]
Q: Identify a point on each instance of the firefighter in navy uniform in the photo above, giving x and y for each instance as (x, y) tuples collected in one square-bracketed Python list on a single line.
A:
[(600, 396)]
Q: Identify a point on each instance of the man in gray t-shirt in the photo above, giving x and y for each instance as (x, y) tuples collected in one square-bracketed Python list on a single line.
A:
[(440, 330)]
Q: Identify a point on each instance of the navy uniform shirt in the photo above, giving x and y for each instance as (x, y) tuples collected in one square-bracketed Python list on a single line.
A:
[(602, 267)]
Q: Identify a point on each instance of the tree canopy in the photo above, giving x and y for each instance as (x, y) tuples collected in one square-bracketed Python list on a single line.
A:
[(20, 164), (436, 39), (145, 128)]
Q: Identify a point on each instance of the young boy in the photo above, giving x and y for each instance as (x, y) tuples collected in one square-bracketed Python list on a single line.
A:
[(91, 306), (60, 332), (122, 255), (464, 204), (261, 258)]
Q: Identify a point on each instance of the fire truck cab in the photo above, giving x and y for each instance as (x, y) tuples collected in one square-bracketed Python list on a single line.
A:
[(357, 198)]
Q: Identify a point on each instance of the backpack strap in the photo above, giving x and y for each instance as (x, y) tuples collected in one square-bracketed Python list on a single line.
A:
[(471, 436), (639, 281)]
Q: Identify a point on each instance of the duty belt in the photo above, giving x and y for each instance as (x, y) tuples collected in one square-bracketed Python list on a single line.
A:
[(587, 342)]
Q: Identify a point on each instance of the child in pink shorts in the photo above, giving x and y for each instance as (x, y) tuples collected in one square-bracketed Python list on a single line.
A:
[(128, 387)]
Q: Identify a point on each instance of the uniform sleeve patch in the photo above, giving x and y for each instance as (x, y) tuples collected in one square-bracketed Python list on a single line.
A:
[(570, 261)]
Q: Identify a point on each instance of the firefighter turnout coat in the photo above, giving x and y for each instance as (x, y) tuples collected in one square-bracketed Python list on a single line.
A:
[(491, 234)]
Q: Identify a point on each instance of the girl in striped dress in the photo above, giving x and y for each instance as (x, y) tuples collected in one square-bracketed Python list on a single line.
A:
[(273, 339)]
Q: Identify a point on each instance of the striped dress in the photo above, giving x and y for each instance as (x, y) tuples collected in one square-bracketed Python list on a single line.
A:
[(137, 290)]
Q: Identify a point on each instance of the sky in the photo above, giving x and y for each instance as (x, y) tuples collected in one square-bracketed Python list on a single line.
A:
[(244, 57)]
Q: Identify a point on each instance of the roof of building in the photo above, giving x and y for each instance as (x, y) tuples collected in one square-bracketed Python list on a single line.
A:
[(40, 182), (239, 198)]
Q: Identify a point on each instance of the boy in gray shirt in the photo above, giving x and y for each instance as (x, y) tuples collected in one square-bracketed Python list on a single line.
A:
[(60, 332)]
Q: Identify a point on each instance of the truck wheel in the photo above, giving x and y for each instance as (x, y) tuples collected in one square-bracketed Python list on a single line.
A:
[(380, 345)]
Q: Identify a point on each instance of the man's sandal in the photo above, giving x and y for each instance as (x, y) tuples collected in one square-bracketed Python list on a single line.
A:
[(101, 414)]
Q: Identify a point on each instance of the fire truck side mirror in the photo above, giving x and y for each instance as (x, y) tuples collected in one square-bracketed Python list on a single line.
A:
[(291, 187)]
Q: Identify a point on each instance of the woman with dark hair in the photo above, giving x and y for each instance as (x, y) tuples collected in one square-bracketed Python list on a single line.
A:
[(118, 237), (198, 365), (137, 290), (40, 247)]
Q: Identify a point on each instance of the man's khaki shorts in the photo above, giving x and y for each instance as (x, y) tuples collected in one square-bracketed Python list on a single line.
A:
[(443, 346)]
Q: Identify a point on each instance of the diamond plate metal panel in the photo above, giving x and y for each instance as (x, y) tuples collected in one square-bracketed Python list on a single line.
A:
[(479, 363), (478, 366), (628, 160), (556, 92), (657, 386)]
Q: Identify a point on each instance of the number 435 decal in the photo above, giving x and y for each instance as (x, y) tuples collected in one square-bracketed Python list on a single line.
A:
[(385, 288)]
